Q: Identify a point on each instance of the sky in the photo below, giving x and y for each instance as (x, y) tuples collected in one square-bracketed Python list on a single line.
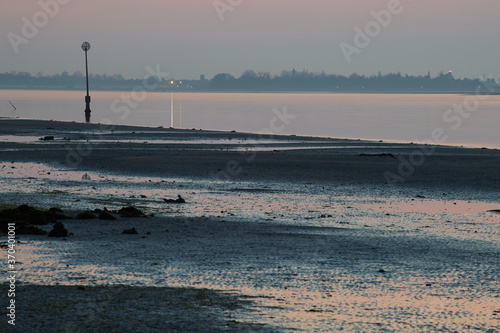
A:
[(192, 37)]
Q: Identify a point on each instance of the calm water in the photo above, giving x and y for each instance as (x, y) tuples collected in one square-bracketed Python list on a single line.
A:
[(389, 117)]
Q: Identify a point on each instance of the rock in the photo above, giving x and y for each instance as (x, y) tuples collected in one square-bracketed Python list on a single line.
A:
[(27, 214), (47, 138), (378, 155), (55, 210), (30, 230), (25, 217), (105, 215), (130, 212), (86, 216), (58, 230), (4, 227), (57, 213), (178, 200), (130, 232)]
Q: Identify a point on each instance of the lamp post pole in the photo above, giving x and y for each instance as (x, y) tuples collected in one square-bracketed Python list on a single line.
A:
[(86, 47)]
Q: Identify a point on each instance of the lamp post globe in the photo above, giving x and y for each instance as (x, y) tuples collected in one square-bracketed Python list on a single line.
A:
[(86, 47)]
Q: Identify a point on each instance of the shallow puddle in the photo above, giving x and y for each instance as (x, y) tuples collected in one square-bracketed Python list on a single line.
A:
[(433, 206), (19, 138)]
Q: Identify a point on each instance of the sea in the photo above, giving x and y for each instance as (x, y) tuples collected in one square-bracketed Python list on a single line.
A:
[(466, 119)]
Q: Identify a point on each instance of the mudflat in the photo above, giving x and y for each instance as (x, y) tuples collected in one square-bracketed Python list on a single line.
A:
[(245, 156), (278, 233)]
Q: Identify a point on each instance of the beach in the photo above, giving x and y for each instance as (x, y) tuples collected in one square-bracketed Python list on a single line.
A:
[(278, 233)]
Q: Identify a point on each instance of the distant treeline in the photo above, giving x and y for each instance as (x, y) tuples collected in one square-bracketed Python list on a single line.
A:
[(306, 81), (251, 81)]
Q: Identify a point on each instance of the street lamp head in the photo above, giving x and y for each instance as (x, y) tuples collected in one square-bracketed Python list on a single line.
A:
[(86, 46)]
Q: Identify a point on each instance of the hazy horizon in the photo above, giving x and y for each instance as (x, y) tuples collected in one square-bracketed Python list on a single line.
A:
[(187, 39)]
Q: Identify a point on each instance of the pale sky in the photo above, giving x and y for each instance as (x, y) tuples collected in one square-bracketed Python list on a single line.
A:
[(188, 37)]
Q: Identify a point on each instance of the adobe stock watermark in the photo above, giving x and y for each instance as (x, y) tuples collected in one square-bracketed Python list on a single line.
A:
[(121, 106), (372, 29), (277, 124), (12, 273), (31, 26), (454, 117), (222, 7)]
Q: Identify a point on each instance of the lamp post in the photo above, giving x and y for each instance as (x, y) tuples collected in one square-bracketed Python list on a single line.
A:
[(86, 47)]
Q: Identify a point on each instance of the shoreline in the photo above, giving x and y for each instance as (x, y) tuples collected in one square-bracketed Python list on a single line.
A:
[(218, 155), (280, 135)]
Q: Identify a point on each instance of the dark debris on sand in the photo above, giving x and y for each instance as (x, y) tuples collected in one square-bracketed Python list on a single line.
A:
[(378, 155), (178, 200), (105, 215), (131, 231), (130, 212), (58, 230), (86, 216)]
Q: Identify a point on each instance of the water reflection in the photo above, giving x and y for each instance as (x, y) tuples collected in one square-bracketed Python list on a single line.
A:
[(391, 117)]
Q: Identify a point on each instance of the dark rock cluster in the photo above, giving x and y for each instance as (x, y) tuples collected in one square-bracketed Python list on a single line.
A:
[(27, 218)]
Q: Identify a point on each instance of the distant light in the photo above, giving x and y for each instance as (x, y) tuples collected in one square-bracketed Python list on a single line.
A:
[(171, 82)]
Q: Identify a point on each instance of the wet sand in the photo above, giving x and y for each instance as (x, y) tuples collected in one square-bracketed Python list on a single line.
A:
[(244, 156), (307, 228), (121, 308)]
